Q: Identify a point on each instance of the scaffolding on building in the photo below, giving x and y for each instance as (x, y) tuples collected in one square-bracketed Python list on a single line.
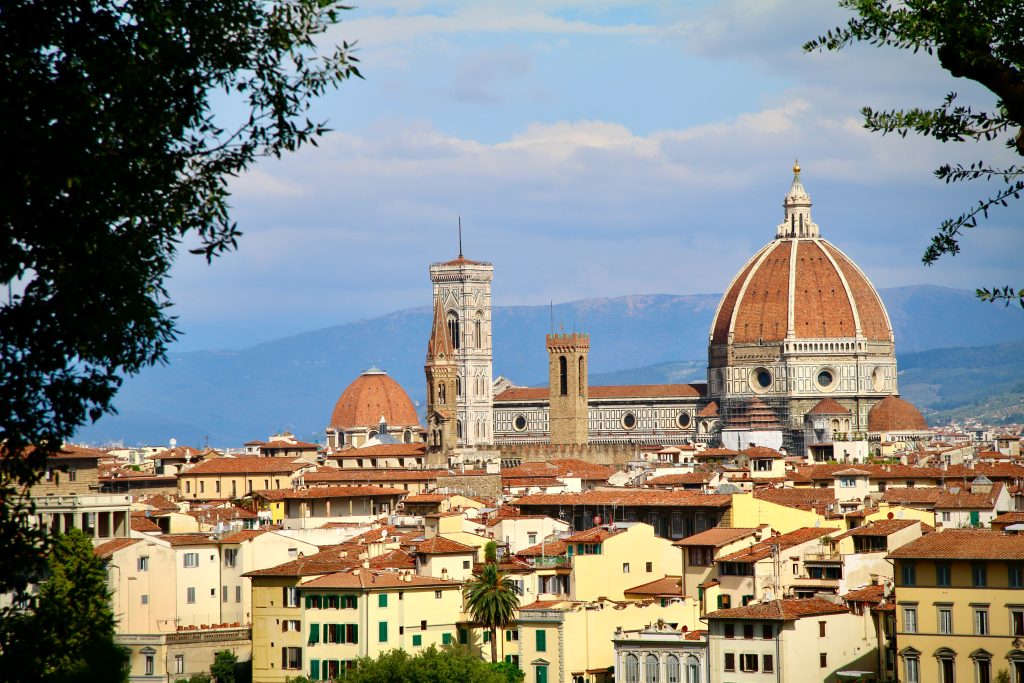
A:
[(762, 414)]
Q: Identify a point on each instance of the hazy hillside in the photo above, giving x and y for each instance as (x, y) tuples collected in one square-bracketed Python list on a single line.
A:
[(293, 382)]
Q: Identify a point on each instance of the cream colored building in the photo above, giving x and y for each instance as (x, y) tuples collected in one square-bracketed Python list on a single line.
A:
[(607, 561), (310, 508), (230, 478), (364, 612), (792, 640)]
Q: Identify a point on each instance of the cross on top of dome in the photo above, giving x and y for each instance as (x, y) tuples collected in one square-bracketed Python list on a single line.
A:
[(797, 204)]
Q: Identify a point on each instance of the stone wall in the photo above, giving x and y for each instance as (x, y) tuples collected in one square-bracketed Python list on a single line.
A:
[(600, 454), (471, 485)]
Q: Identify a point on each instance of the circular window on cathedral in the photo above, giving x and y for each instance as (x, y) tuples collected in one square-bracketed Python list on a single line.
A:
[(761, 379), (683, 420), (878, 379), (826, 379), (629, 420), (519, 423)]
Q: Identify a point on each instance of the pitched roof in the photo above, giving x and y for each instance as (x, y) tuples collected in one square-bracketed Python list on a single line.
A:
[(716, 453), (716, 537), (369, 578), (965, 499), (964, 544), (913, 494), (763, 549), (761, 452), (112, 546), (547, 548), (242, 535), (666, 585), (882, 527), (188, 539), (805, 498), (710, 410), (597, 534), (328, 560), (866, 594), (828, 406), (245, 465), (680, 479), (439, 545), (630, 497), (781, 610), (140, 522), (559, 467), (1009, 518), (212, 515)]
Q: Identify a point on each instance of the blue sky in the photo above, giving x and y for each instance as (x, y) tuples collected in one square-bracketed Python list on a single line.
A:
[(592, 149)]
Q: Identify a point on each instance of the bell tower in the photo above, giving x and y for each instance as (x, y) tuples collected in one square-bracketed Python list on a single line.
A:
[(441, 370), (568, 388)]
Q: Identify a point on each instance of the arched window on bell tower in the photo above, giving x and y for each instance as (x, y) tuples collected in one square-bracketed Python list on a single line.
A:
[(458, 386), (478, 330), (453, 329), (563, 376)]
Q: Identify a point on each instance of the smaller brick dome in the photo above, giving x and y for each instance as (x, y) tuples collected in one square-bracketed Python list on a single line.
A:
[(893, 414), (369, 397)]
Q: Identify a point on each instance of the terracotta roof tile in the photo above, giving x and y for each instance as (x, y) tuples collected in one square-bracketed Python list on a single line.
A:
[(666, 585), (882, 527), (872, 594), (439, 545), (112, 546), (369, 397), (142, 523), (547, 548), (189, 539), (761, 452), (597, 534), (716, 537), (371, 579), (763, 549), (964, 544), (630, 497), (893, 414), (828, 406), (710, 410), (781, 610), (245, 465)]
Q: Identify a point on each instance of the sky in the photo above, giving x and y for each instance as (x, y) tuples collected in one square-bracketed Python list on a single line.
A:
[(592, 149)]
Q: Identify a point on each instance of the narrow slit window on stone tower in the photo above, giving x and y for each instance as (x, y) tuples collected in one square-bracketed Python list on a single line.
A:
[(478, 330), (458, 386), (563, 376), (442, 395), (583, 375), (453, 329)]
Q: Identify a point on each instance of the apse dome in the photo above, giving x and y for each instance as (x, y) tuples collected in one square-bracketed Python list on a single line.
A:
[(371, 397)]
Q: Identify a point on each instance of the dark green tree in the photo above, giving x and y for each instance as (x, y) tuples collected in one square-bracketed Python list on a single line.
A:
[(223, 668), (65, 630), (492, 600), (982, 40), (114, 158), (433, 665)]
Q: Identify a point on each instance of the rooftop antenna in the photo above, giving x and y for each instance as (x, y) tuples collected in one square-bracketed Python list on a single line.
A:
[(460, 236)]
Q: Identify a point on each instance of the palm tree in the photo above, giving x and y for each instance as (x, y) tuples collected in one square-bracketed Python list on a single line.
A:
[(492, 600)]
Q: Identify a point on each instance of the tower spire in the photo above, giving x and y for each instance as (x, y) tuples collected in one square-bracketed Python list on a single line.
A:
[(440, 345), (796, 221)]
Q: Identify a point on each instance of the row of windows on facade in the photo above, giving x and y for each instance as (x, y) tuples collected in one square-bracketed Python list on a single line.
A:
[(191, 560), (234, 486), (944, 575), (672, 667), (190, 595), (149, 664), (290, 596), (946, 667), (627, 420), (980, 621)]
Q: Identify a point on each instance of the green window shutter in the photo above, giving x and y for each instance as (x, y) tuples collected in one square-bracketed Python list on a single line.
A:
[(314, 633), (417, 641), (382, 632), (542, 640), (309, 601), (719, 601), (463, 636), (542, 674), (446, 639), (508, 659), (355, 633), (487, 636), (382, 600), (508, 636), (314, 669)]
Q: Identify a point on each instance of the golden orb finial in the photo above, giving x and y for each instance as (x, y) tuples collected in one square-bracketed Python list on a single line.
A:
[(796, 167)]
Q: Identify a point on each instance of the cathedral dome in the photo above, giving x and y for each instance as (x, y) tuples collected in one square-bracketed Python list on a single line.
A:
[(372, 396), (893, 414), (799, 286)]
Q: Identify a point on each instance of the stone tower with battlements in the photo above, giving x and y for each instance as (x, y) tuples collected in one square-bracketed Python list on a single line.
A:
[(462, 290), (568, 387)]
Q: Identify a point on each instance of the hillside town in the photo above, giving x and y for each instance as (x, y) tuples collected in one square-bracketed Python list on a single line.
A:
[(790, 519)]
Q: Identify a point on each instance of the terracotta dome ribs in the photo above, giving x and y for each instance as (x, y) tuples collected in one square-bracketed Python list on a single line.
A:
[(874, 322), (822, 307), (763, 311), (720, 328)]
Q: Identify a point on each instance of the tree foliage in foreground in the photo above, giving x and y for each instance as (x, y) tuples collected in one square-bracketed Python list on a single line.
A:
[(433, 665), (982, 40), (65, 632), (113, 159)]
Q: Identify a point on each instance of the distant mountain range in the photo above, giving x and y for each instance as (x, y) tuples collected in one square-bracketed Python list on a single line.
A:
[(227, 397)]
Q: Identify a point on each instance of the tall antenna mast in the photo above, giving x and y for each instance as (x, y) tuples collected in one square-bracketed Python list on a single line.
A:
[(460, 236)]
